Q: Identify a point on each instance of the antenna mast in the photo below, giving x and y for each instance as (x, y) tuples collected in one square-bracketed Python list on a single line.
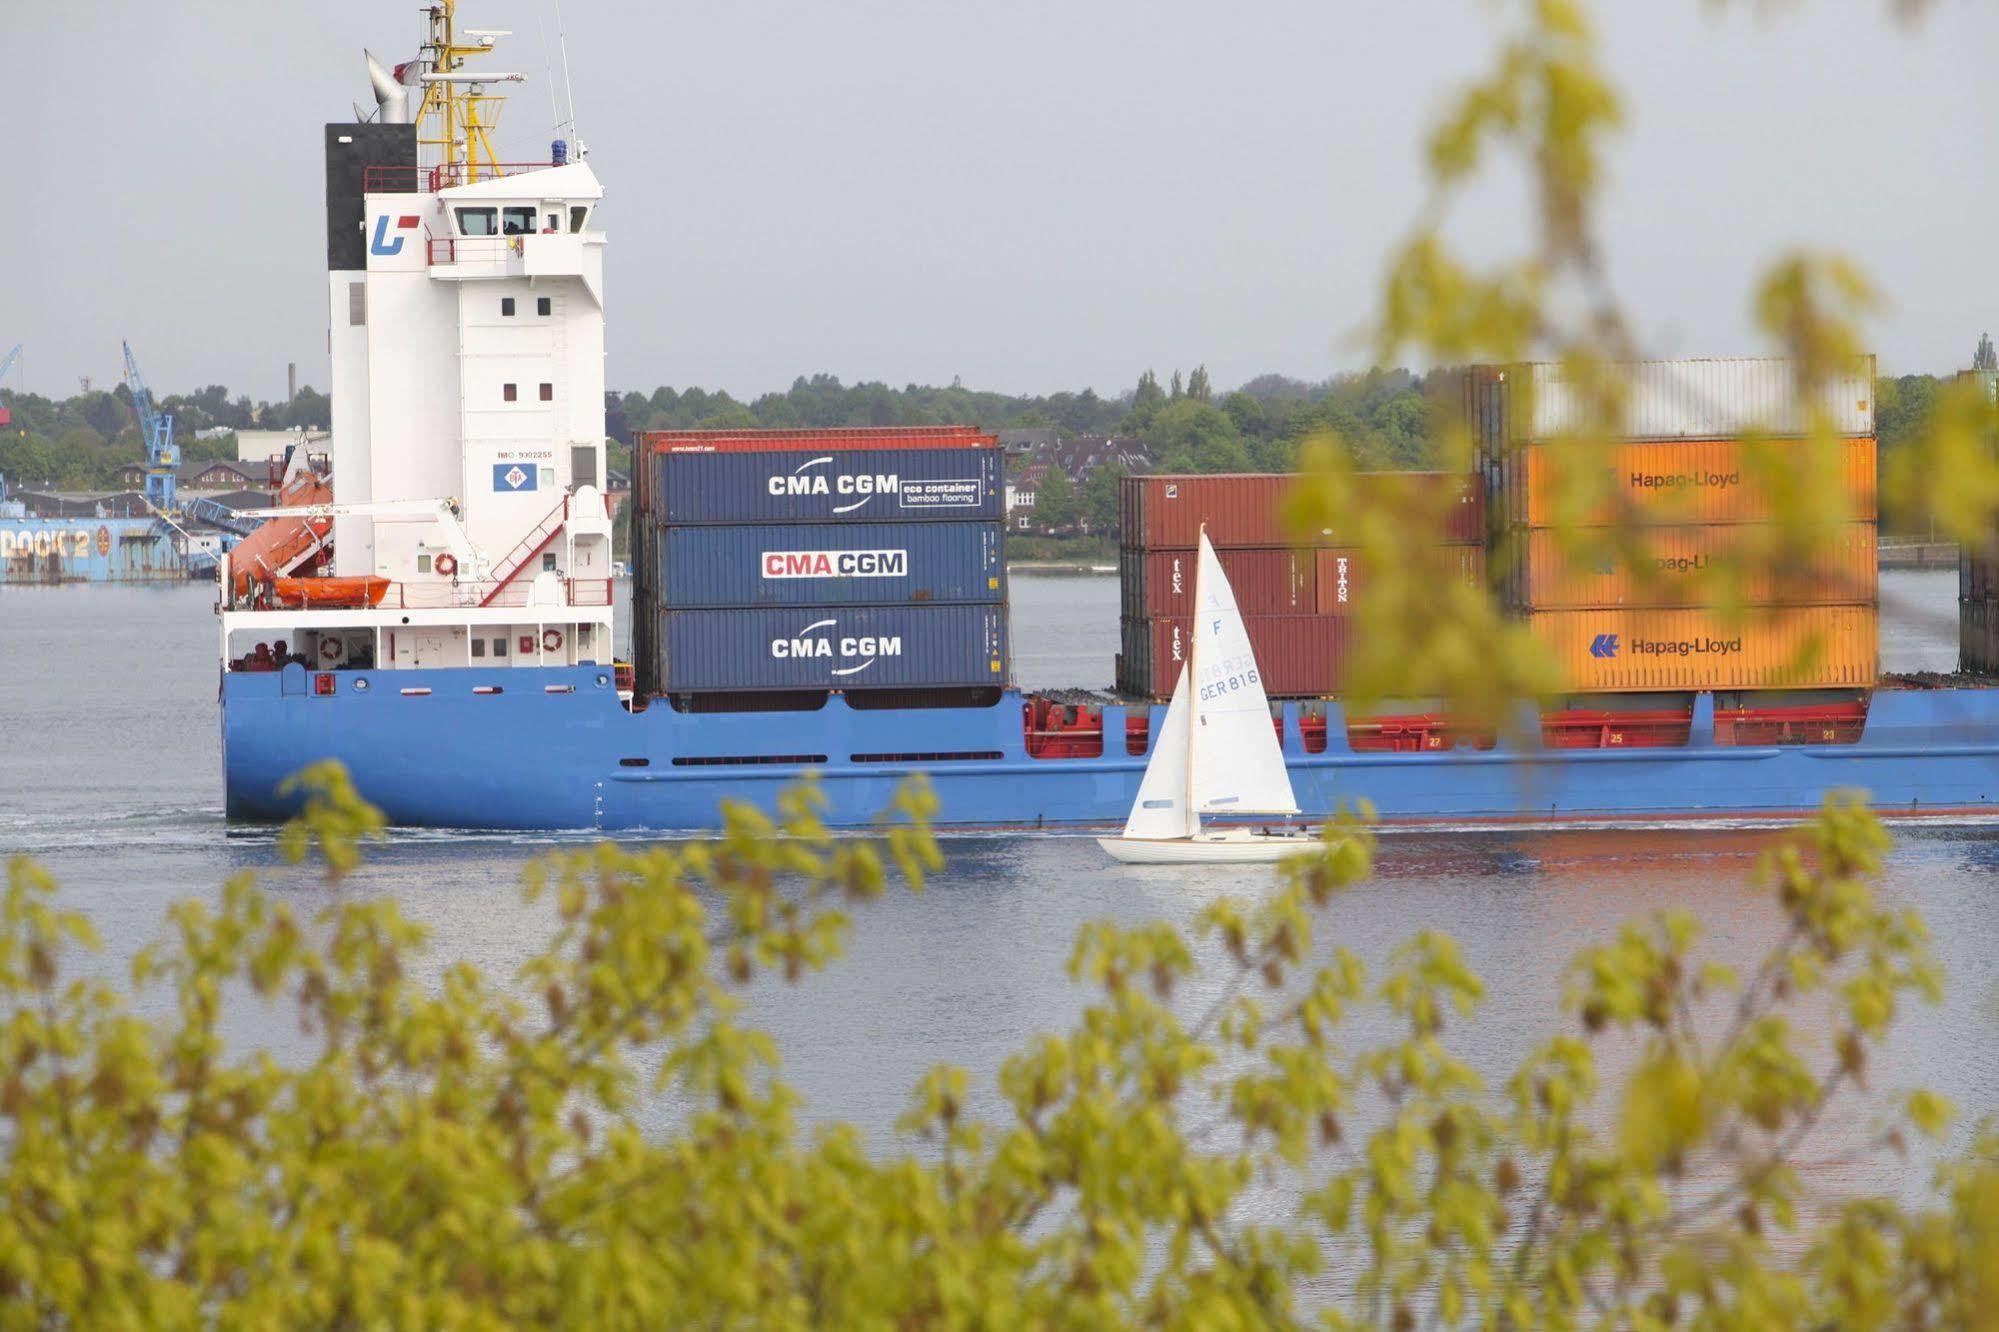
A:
[(458, 115)]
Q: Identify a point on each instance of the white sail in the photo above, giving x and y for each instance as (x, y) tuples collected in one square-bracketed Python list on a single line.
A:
[(1237, 765), (1162, 809)]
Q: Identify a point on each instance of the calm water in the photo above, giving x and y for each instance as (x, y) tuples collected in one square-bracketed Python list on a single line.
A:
[(109, 774)]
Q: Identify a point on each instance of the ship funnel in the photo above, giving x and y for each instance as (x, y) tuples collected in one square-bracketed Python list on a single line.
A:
[(390, 96)]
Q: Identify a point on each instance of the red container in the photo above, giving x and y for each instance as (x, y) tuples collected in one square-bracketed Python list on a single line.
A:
[(1299, 656), (858, 437), (1343, 578), (1245, 509), (1266, 582)]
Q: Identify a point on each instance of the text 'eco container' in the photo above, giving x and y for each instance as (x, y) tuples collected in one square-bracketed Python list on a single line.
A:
[(873, 647), (829, 485), (1709, 398), (1246, 509), (1299, 656), (1697, 481), (1812, 647), (833, 564), (1684, 566)]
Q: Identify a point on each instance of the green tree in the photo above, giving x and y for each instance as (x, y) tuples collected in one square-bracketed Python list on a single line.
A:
[(1098, 498), (1985, 358), (1147, 399), (1197, 385), (1177, 392), (1056, 505), (1190, 436)]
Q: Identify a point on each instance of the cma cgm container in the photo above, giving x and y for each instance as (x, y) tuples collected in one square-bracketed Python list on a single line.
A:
[(843, 438), (819, 485), (1708, 398), (833, 564), (1265, 582), (849, 647), (1695, 481), (1680, 566), (1622, 650), (1299, 656), (1245, 509)]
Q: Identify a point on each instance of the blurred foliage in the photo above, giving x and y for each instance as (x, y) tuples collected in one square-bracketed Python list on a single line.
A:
[(602, 1141)]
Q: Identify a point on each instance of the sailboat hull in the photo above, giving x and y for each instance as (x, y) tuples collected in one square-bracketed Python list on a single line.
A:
[(1225, 846)]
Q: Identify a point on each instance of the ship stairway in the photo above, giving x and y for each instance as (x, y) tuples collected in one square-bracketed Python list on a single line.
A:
[(531, 545), (218, 514)]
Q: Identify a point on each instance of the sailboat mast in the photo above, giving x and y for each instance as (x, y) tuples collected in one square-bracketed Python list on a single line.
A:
[(1193, 683)]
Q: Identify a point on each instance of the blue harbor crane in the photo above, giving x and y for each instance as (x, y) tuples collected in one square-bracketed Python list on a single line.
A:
[(158, 428)]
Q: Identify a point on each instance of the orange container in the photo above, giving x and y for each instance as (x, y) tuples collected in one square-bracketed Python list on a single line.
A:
[(1678, 566), (1679, 482), (1344, 577), (1812, 647)]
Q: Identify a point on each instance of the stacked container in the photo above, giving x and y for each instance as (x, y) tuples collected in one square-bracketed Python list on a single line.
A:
[(1680, 487), (802, 560), (1296, 599), (1978, 576)]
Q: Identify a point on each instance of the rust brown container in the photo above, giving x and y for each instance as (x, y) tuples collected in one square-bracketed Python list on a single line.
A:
[(1625, 650), (1675, 483), (1299, 656), (1245, 509), (1344, 579), (1682, 566), (1265, 582)]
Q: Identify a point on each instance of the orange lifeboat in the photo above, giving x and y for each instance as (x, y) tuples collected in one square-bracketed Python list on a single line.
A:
[(335, 592), (283, 543)]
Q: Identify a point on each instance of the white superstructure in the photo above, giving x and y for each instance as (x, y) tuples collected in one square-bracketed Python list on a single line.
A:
[(466, 523)]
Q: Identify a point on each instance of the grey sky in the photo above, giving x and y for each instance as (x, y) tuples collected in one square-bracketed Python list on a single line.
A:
[(1030, 196)]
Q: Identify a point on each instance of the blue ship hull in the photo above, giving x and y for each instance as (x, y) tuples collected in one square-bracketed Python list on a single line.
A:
[(554, 749)]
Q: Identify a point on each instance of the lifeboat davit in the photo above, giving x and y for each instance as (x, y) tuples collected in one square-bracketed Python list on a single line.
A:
[(308, 592), (281, 545)]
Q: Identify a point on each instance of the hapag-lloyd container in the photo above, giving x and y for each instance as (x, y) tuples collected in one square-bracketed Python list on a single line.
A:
[(827, 485), (1299, 656), (845, 647), (1680, 566), (1265, 582), (841, 438), (1708, 398), (832, 564), (1683, 482), (1343, 581), (1622, 650), (1245, 508)]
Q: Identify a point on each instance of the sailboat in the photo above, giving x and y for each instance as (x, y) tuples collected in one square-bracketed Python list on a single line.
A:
[(1217, 751)]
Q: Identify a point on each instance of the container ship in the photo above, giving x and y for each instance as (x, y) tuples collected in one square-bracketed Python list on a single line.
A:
[(437, 612)]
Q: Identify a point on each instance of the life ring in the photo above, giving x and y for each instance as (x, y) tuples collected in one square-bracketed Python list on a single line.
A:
[(329, 648), (551, 641), (446, 564)]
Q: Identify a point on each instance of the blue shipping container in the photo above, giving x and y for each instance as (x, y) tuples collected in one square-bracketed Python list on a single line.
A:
[(828, 486), (847, 647), (832, 564)]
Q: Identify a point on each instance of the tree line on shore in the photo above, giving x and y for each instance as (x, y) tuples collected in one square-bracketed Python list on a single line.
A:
[(1383, 417)]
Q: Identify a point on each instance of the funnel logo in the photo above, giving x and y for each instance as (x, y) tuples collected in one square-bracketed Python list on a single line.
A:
[(858, 651), (1603, 646), (384, 244)]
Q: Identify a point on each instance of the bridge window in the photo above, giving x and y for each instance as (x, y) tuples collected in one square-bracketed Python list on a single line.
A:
[(507, 306), (576, 215), (516, 221), (548, 393), (478, 222), (510, 393), (543, 305)]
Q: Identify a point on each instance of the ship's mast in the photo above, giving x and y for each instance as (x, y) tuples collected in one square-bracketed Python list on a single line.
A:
[(455, 120)]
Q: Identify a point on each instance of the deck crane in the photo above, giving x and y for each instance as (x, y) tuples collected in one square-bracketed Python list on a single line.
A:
[(162, 458), (6, 364)]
